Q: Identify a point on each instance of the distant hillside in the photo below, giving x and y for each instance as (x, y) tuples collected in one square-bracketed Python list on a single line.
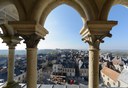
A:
[(45, 51), (23, 52), (122, 53), (17, 52)]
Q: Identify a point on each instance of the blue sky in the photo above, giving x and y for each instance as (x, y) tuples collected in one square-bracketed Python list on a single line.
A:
[(64, 24), (119, 39)]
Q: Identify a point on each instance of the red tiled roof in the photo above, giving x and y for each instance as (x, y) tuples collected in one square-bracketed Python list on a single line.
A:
[(110, 73)]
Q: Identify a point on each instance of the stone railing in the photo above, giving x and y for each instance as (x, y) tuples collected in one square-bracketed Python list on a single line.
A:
[(50, 86)]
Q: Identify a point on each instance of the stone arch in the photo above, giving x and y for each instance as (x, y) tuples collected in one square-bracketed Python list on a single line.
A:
[(17, 6), (20, 9), (121, 2), (6, 29), (43, 8), (7, 5), (118, 13), (108, 5), (105, 9), (48, 10)]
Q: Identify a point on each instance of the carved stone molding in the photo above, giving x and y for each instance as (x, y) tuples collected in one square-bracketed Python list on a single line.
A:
[(7, 30), (31, 41), (95, 31), (31, 32), (28, 28), (11, 41)]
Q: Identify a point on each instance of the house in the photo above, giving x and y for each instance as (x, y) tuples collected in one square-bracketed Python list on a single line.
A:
[(83, 68), (118, 63), (57, 67), (110, 77)]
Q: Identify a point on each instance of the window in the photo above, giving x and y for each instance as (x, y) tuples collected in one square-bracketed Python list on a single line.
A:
[(54, 67), (19, 79), (85, 71), (23, 76), (108, 78), (103, 75), (108, 84)]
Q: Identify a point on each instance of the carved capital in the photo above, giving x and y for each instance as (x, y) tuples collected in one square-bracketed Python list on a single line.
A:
[(28, 28), (9, 36), (31, 41), (95, 31), (11, 41), (31, 32)]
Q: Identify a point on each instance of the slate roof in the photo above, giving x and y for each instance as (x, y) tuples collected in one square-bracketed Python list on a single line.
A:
[(3, 76), (84, 65), (18, 72)]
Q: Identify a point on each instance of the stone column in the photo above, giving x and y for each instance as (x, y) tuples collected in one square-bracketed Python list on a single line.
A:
[(11, 57), (11, 43), (31, 32), (93, 67), (31, 67), (31, 43), (93, 33)]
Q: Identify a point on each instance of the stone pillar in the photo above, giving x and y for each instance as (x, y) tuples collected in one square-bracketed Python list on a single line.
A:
[(93, 33), (31, 67), (11, 57), (31, 32), (31, 44), (11, 43), (93, 67)]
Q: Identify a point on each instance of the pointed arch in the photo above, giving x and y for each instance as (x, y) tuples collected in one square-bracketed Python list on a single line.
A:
[(43, 8), (20, 8), (105, 10), (9, 3), (108, 5), (122, 2), (47, 10)]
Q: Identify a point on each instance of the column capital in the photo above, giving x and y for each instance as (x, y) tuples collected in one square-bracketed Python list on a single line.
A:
[(94, 31), (28, 28), (9, 36), (31, 41), (11, 41), (31, 32)]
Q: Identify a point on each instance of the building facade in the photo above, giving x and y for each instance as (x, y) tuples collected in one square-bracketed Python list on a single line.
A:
[(110, 77)]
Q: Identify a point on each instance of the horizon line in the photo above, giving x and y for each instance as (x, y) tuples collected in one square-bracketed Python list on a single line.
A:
[(67, 49)]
